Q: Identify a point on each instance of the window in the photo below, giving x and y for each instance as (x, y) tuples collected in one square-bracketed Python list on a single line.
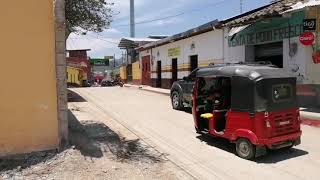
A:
[(207, 85), (281, 92)]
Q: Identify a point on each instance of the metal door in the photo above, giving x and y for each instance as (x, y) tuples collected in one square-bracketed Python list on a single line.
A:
[(146, 71)]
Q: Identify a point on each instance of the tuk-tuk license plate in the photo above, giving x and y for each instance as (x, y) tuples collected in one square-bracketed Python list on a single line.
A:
[(284, 123)]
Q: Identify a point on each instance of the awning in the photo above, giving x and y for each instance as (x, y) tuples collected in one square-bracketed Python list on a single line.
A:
[(234, 31)]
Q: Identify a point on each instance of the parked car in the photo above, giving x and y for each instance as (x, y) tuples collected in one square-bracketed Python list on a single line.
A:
[(86, 83), (181, 91)]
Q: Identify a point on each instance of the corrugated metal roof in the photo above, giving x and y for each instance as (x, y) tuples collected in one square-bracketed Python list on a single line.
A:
[(300, 5), (270, 10), (134, 42), (198, 30)]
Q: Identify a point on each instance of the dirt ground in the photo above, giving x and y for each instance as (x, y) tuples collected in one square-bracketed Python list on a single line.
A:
[(99, 149)]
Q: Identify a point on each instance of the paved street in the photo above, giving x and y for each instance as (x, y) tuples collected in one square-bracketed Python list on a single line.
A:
[(151, 117)]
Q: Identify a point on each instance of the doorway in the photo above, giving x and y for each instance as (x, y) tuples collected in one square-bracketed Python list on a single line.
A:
[(158, 82), (146, 71), (193, 62), (174, 70), (272, 52)]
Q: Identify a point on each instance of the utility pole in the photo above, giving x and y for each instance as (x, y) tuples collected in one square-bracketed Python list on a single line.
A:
[(241, 6), (132, 19)]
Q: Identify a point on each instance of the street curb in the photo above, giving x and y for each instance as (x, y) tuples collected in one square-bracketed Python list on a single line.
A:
[(310, 122), (148, 90)]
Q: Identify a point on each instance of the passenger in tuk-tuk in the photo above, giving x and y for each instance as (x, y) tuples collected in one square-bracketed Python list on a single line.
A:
[(220, 96), (214, 101)]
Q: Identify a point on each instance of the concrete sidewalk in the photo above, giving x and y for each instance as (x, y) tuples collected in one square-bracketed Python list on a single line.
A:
[(309, 116), (150, 89)]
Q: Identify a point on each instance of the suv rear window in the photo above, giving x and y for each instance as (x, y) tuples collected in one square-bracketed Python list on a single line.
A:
[(282, 92)]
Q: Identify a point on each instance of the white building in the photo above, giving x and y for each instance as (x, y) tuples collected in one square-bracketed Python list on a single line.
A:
[(175, 57), (270, 33)]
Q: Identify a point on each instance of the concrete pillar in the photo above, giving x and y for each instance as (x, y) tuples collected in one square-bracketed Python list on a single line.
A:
[(60, 45)]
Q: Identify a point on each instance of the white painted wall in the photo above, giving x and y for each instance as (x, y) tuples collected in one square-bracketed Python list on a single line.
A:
[(297, 63), (213, 46), (208, 47), (232, 54)]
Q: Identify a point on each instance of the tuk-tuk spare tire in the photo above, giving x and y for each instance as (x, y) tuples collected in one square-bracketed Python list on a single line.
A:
[(176, 100), (245, 149)]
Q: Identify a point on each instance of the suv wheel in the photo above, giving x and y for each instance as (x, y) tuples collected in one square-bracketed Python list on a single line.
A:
[(176, 100)]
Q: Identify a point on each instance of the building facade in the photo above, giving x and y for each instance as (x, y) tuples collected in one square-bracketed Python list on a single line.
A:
[(277, 40), (79, 59), (173, 58), (33, 102), (271, 33)]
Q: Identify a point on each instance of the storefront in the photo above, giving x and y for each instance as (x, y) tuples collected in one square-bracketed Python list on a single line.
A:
[(265, 40), (286, 42)]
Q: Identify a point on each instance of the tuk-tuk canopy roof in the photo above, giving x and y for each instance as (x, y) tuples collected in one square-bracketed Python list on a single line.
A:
[(253, 72)]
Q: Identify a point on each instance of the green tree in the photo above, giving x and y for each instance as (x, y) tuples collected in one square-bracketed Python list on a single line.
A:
[(83, 16)]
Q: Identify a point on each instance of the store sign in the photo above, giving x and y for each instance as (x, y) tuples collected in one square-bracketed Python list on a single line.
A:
[(269, 31), (307, 38), (309, 24), (173, 52), (99, 62), (269, 36)]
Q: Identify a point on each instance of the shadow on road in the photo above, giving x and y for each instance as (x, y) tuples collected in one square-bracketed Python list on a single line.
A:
[(94, 140), (75, 97), (276, 156), (19, 162), (220, 143), (272, 157)]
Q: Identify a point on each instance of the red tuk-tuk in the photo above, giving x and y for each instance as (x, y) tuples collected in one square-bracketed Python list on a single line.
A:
[(253, 106)]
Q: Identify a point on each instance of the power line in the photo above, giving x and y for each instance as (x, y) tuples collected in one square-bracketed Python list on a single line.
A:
[(96, 37), (173, 16)]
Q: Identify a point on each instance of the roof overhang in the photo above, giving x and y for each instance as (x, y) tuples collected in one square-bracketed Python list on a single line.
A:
[(132, 43), (211, 26), (301, 5)]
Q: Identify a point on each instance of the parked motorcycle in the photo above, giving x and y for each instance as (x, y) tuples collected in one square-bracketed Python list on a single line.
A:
[(111, 83)]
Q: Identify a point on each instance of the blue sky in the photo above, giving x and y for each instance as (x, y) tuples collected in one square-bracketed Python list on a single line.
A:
[(191, 13)]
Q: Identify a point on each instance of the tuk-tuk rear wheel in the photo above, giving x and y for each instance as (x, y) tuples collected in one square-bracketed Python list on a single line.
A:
[(245, 149)]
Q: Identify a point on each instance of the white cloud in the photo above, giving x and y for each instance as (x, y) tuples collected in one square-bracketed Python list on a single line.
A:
[(100, 46)]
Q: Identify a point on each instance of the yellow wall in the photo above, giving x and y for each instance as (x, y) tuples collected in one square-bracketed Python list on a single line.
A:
[(28, 103), (123, 72), (136, 71), (74, 75)]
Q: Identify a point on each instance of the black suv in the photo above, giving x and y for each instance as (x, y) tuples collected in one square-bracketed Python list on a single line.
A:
[(181, 91)]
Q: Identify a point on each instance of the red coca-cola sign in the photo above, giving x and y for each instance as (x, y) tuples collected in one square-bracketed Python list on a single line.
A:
[(307, 38)]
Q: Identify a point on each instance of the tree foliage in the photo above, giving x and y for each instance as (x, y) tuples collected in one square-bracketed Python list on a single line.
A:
[(87, 15)]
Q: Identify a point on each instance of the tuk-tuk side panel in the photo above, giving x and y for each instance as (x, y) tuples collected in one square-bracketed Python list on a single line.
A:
[(239, 124), (242, 94), (261, 128)]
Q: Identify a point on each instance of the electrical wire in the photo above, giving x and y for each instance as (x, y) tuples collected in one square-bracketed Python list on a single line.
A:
[(173, 16)]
